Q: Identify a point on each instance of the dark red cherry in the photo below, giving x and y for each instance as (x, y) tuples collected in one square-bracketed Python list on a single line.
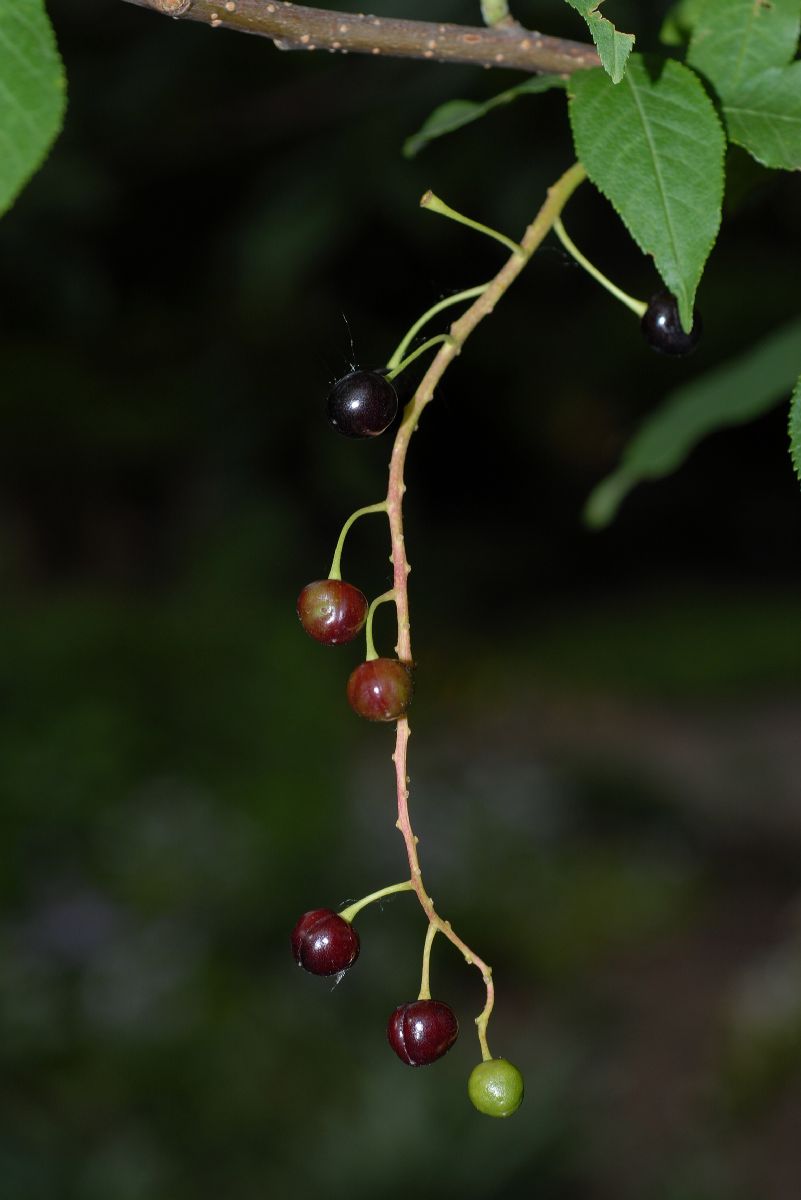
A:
[(362, 404), (331, 611), (323, 943), (380, 689), (663, 330), (422, 1032)]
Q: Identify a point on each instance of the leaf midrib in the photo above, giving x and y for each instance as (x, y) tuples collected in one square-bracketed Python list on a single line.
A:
[(738, 66), (657, 166), (764, 113)]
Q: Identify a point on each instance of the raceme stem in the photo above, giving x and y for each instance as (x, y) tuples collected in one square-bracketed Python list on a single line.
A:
[(460, 331)]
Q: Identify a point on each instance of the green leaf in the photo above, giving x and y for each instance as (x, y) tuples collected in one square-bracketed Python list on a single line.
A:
[(744, 48), (764, 116), (795, 429), (654, 147), (735, 39), (32, 94), (613, 48), (456, 113), (680, 22), (732, 394)]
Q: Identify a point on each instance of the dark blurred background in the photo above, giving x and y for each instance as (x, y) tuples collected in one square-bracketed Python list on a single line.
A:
[(606, 750)]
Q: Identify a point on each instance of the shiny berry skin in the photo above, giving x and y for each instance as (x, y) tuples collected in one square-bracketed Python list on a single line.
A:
[(323, 943), (662, 328), (422, 1032), (362, 404), (332, 612), (380, 690), (496, 1088)]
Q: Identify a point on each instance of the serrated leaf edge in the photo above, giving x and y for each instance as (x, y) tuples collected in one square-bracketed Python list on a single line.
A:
[(794, 430), (731, 106), (646, 251), (60, 85), (594, 19)]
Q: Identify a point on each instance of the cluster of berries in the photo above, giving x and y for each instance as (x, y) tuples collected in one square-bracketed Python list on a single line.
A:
[(419, 1032), (334, 612), (360, 405), (364, 404)]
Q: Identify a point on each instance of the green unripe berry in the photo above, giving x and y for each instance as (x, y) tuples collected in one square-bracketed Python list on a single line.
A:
[(496, 1088)]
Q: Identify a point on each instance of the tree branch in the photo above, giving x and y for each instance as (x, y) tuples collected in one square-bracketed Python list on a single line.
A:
[(298, 27)]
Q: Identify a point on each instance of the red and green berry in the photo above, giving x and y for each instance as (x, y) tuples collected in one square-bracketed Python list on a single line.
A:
[(332, 612), (380, 689)]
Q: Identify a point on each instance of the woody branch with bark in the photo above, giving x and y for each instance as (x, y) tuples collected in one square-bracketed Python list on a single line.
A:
[(504, 43)]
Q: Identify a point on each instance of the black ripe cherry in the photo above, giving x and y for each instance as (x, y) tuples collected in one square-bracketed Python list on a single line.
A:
[(331, 611), (380, 689), (422, 1032), (495, 1087), (663, 330), (362, 404), (323, 943)]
